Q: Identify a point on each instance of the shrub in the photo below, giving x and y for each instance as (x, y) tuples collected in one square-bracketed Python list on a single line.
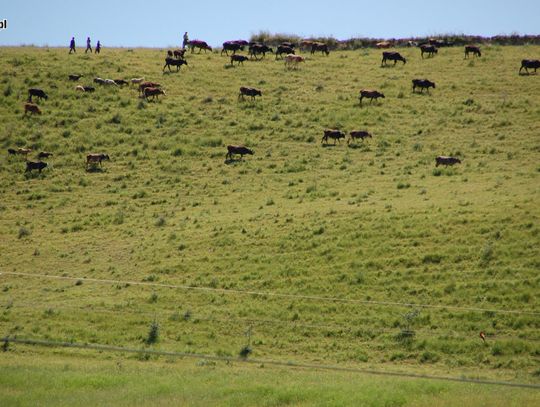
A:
[(245, 352), (23, 232), (153, 333)]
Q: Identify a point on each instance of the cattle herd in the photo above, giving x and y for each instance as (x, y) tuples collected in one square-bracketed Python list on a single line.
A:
[(256, 51)]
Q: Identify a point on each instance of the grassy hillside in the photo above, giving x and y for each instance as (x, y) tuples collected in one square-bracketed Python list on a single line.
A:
[(372, 222)]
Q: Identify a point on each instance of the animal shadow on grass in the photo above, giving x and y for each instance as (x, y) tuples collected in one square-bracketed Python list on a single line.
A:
[(325, 145), (34, 175), (95, 169), (231, 161), (359, 146)]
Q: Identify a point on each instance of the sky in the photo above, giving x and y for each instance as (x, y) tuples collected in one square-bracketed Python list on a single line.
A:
[(161, 23)]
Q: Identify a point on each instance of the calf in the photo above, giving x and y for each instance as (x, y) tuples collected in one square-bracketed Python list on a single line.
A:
[(145, 85), (361, 134), (120, 82), (179, 53), (529, 64), (154, 92), (75, 77), (422, 84), (96, 158), (231, 150), (292, 61), (31, 108), (284, 49), (244, 91), (446, 161), (174, 62), (392, 56), (370, 94), (31, 165), (37, 93), (474, 49), (44, 154), (429, 49), (238, 58), (333, 134)]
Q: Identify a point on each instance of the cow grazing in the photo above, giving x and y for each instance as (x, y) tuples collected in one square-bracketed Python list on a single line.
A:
[(145, 85), (44, 154), (32, 165), (244, 91), (38, 93), (92, 159), (231, 46), (237, 150), (259, 49), (422, 84), (79, 88), (31, 108), (238, 58), (135, 81), (529, 64), (319, 46), (358, 134), (370, 94), (284, 49), (99, 81), (121, 82), (333, 134), (154, 92), (292, 61), (472, 49), (428, 49), (446, 161), (199, 44), (89, 88), (179, 53), (392, 56), (174, 62), (75, 77)]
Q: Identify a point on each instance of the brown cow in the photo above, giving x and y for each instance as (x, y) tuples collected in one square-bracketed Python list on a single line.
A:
[(31, 108), (231, 150), (361, 134), (370, 94), (96, 158), (145, 85), (245, 91), (154, 92)]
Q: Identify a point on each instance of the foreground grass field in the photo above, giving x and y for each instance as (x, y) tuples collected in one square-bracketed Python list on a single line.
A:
[(372, 224)]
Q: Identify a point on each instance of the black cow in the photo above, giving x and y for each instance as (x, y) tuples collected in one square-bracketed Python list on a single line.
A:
[(231, 150), (428, 49), (319, 46), (392, 56), (333, 134), (231, 46), (370, 94), (31, 165), (37, 93), (258, 49), (174, 62), (244, 91), (361, 134), (121, 82), (474, 49), (89, 88), (75, 77), (530, 64), (12, 151), (44, 154), (422, 84), (238, 58), (446, 161), (284, 49)]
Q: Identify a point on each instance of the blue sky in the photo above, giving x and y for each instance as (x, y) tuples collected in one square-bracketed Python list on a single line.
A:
[(161, 23)]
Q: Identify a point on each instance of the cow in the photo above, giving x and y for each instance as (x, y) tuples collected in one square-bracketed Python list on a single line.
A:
[(135, 81), (422, 84), (32, 165), (120, 82), (361, 134), (446, 161), (474, 49), (530, 64), (99, 81), (109, 82), (96, 158), (231, 46), (44, 154), (319, 46), (79, 88), (31, 108), (245, 91), (238, 58), (241, 150), (174, 62), (38, 93), (284, 49), (383, 44), (89, 88), (145, 85), (179, 53), (288, 44), (154, 92), (428, 49), (198, 44), (74, 77), (306, 44), (392, 56), (370, 94), (292, 61), (22, 151), (12, 151), (257, 49), (333, 134)]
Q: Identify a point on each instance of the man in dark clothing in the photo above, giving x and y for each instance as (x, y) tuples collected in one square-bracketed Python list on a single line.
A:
[(98, 47), (88, 46), (72, 45), (186, 40)]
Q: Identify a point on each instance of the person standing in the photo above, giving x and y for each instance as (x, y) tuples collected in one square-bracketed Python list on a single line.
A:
[(72, 45), (185, 41), (88, 46), (98, 47)]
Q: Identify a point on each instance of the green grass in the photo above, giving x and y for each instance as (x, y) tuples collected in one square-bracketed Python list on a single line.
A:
[(375, 221)]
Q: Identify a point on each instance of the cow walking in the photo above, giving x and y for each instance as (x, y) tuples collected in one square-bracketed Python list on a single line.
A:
[(238, 150)]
